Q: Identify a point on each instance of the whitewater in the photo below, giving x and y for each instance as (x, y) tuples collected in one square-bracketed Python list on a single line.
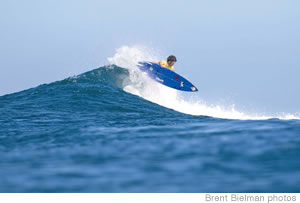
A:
[(112, 129), (128, 57)]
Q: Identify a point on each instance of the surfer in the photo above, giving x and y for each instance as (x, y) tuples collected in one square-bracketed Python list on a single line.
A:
[(162, 72), (169, 63)]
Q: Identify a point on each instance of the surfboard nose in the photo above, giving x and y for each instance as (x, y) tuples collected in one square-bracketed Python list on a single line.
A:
[(194, 89)]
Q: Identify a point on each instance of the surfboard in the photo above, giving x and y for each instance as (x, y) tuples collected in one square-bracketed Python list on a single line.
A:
[(166, 77)]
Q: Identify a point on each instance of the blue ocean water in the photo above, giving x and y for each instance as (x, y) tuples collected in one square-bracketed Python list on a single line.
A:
[(86, 134)]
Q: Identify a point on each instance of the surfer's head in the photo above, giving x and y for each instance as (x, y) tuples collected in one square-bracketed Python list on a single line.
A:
[(171, 60)]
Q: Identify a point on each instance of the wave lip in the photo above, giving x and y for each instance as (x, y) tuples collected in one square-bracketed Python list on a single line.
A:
[(139, 84)]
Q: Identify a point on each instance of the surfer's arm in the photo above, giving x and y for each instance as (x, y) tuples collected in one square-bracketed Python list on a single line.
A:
[(161, 63)]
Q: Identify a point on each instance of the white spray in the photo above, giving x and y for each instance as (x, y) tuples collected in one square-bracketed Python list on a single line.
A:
[(143, 86)]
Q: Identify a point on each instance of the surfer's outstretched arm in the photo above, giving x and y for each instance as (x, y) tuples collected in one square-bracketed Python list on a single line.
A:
[(159, 63), (169, 63)]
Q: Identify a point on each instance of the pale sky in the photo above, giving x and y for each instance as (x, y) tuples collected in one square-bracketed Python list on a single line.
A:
[(244, 52)]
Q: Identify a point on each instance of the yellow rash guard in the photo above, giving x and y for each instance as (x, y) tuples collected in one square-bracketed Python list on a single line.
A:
[(165, 64)]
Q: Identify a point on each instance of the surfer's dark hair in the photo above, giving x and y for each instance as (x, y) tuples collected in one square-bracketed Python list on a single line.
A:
[(172, 58)]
